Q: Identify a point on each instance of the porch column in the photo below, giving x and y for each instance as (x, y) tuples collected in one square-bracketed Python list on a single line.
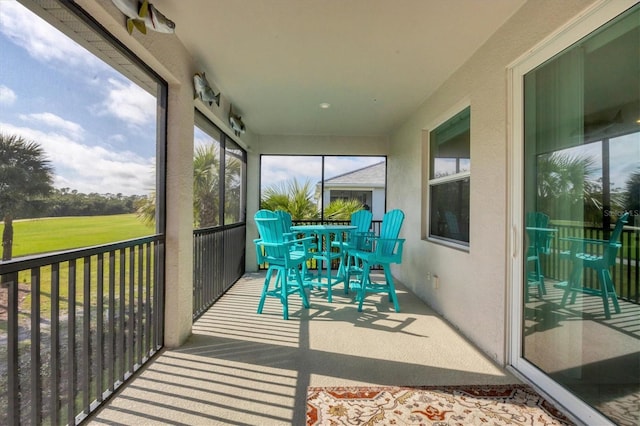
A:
[(179, 232)]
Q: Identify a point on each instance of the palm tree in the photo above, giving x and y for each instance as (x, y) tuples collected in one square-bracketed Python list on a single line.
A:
[(291, 196), (566, 184), (232, 188), (342, 209), (632, 196), (146, 209), (206, 191), (25, 176)]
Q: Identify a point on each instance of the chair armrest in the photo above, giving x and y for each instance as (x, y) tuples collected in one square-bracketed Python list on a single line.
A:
[(584, 240), (287, 243), (259, 252), (608, 250), (589, 241), (363, 240), (390, 248)]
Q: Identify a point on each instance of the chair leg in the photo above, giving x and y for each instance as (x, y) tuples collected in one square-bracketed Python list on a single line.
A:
[(283, 279), (608, 291), (392, 288), (364, 282), (265, 288), (540, 278), (301, 290), (343, 270), (573, 284), (347, 265)]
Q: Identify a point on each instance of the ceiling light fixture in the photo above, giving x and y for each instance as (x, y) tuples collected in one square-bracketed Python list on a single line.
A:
[(325, 105)]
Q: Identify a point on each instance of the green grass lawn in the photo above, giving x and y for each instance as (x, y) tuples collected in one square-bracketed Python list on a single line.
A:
[(34, 236)]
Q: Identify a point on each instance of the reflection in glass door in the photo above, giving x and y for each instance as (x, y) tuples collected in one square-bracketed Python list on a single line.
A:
[(581, 302)]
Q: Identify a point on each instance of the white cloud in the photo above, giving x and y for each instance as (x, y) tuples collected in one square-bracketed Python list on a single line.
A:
[(7, 96), (277, 169), (39, 39), (128, 102), (117, 138), (72, 129), (91, 168)]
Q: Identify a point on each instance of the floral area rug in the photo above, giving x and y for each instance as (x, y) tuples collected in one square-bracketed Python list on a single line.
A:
[(431, 406)]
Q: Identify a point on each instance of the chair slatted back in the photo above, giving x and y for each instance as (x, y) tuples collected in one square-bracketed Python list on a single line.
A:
[(390, 230), (540, 241), (537, 220), (271, 230), (611, 252), (286, 219), (362, 221)]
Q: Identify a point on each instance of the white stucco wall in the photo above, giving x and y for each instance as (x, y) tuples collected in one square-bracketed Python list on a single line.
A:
[(473, 285)]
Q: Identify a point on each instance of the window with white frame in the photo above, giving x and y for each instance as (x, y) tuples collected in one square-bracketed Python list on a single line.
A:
[(449, 179)]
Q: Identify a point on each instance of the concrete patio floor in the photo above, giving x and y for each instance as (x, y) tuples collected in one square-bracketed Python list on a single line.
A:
[(239, 367)]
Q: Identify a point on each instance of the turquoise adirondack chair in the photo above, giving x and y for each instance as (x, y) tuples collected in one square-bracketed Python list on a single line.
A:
[(274, 247), (358, 239), (599, 255), (385, 249)]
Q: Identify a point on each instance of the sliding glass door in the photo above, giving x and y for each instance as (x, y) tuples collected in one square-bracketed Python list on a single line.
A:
[(580, 295)]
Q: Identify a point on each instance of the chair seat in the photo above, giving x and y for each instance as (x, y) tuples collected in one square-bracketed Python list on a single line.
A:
[(375, 259), (589, 257), (296, 257)]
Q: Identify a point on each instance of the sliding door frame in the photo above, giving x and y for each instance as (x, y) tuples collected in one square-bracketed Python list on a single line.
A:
[(583, 24)]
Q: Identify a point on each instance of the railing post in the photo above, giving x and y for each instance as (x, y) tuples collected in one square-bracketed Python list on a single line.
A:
[(13, 379), (54, 387), (36, 380)]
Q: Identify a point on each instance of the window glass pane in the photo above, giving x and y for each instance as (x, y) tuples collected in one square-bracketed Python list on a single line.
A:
[(352, 184), (450, 147), (234, 209), (295, 184), (449, 215), (93, 126), (206, 174), (449, 156), (289, 183), (581, 174)]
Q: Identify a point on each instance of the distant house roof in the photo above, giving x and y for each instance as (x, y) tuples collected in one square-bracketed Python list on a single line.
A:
[(370, 176)]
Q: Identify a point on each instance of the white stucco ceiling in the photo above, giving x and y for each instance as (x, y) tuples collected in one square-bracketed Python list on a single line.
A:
[(374, 61)]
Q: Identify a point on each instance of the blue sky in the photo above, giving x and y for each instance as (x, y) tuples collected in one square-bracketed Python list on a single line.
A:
[(279, 169), (96, 127), (624, 157)]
